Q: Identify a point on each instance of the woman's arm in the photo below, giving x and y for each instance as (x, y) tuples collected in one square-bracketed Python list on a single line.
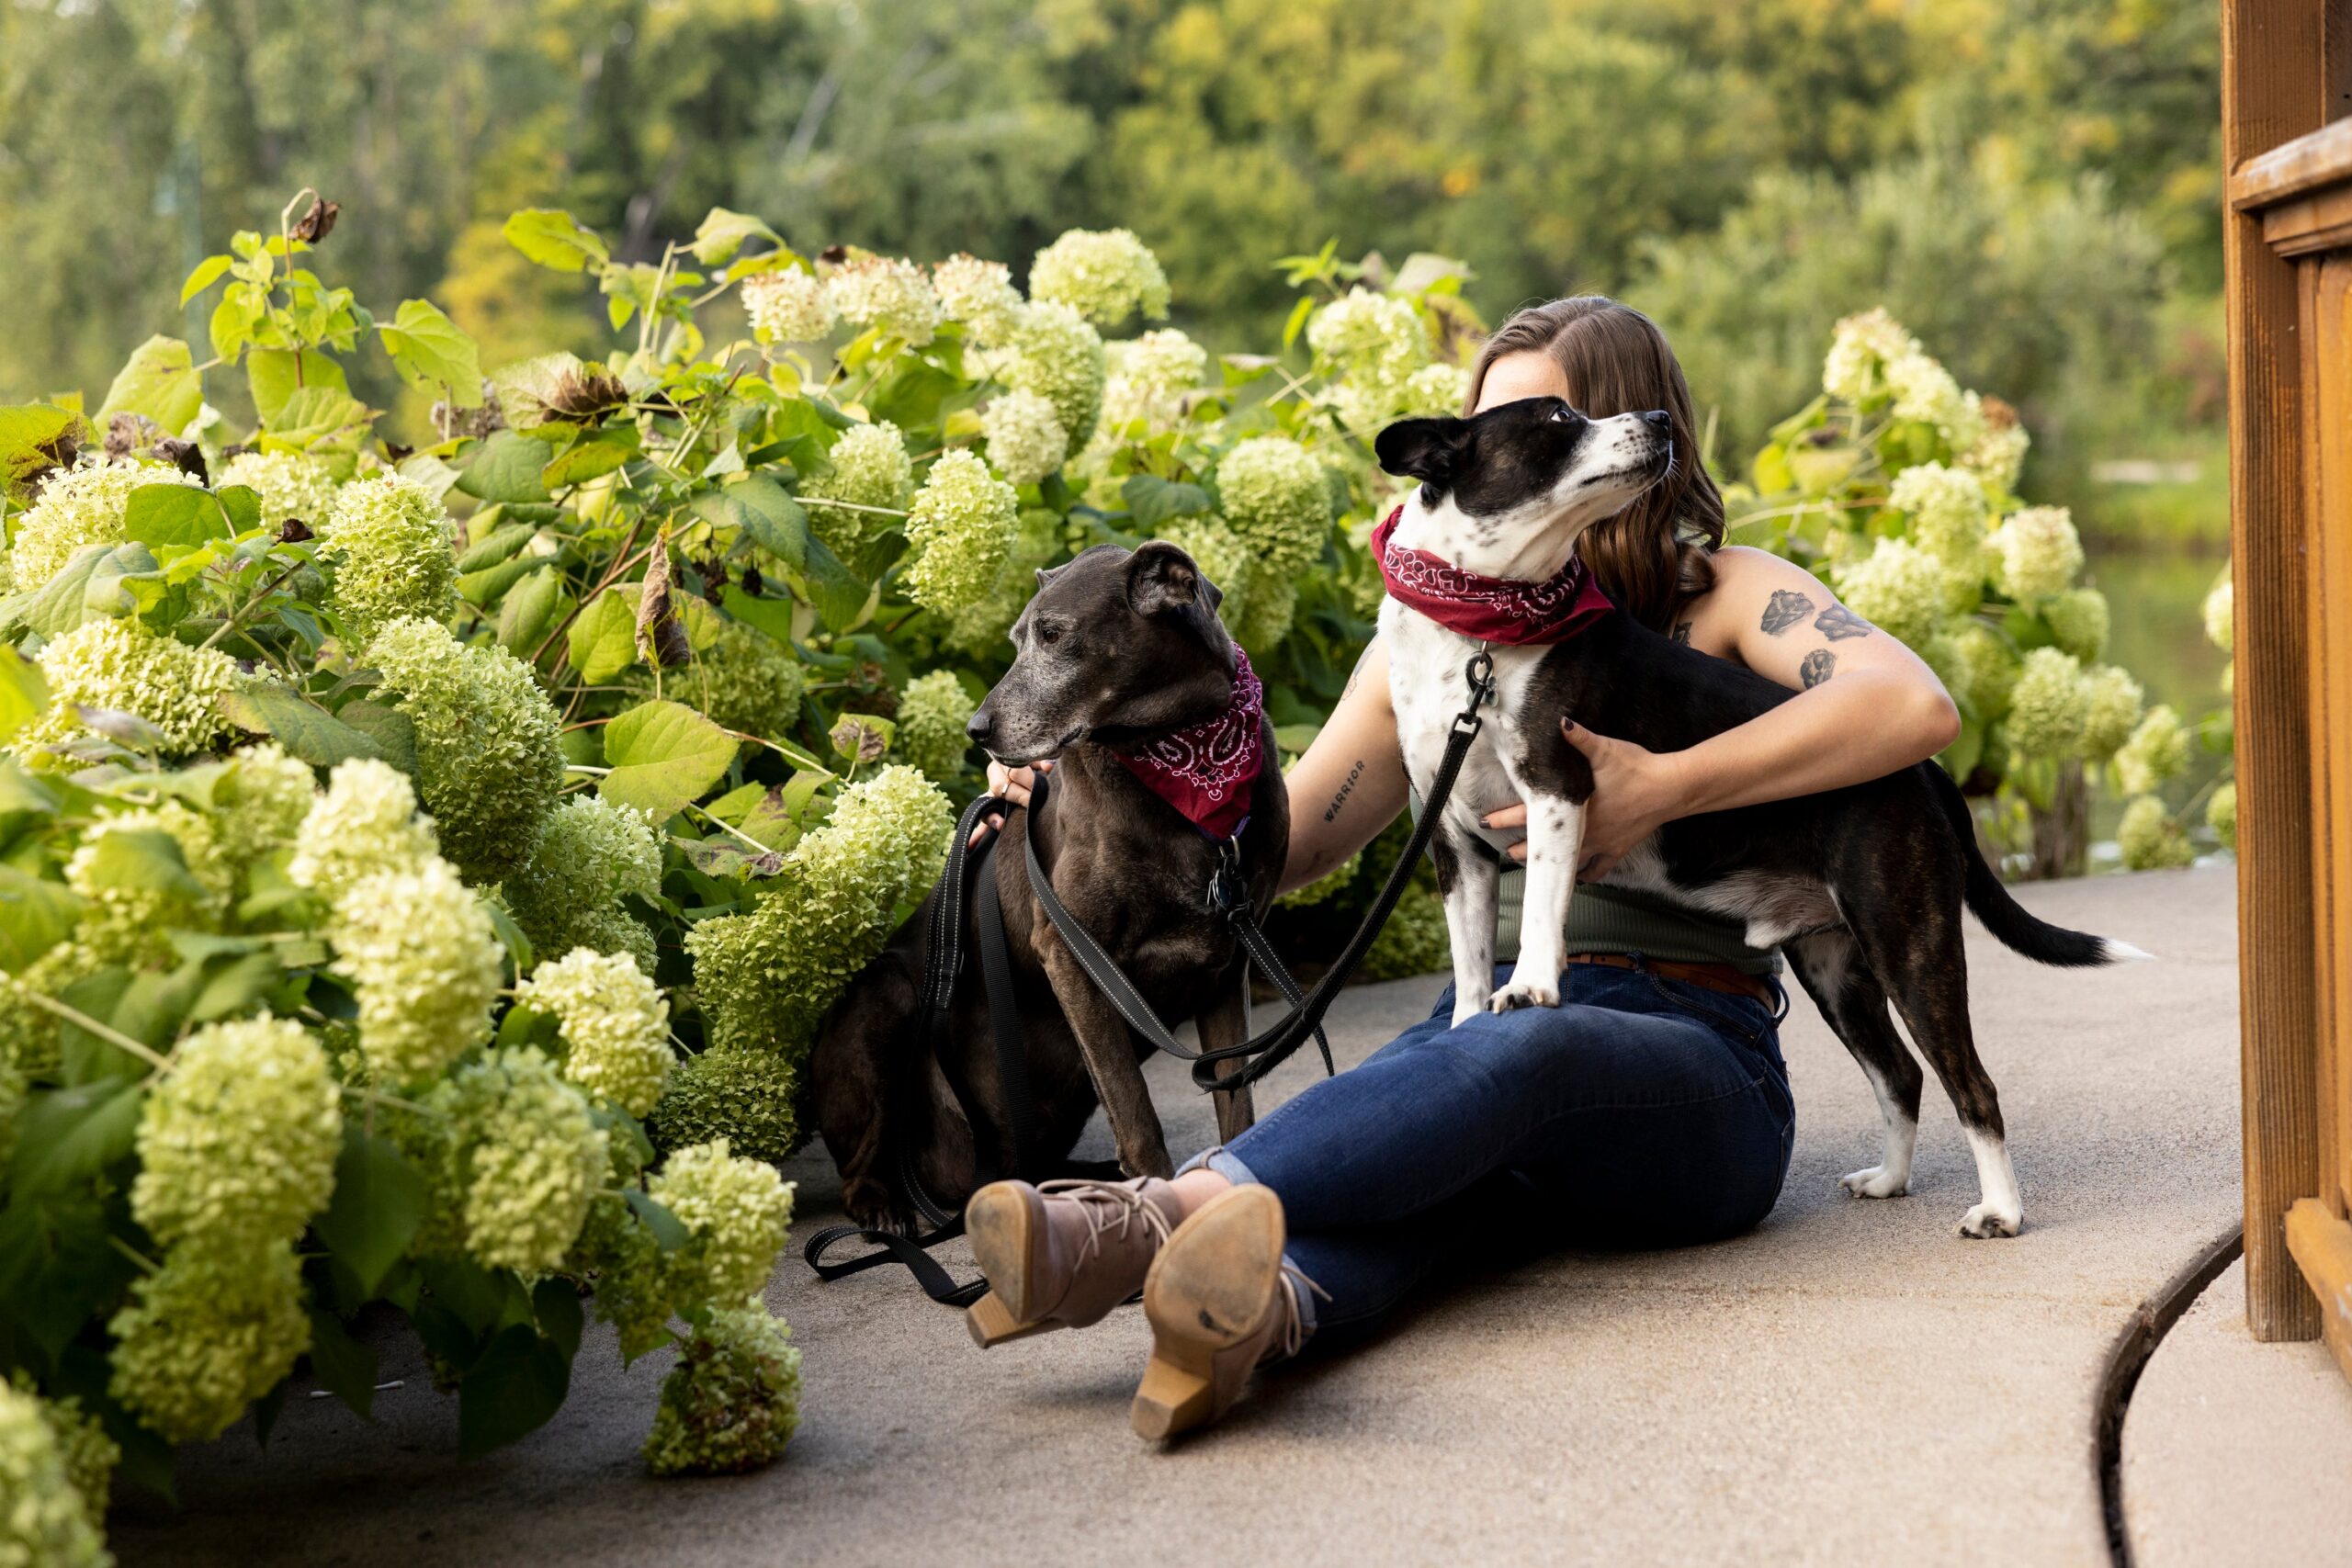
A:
[(1346, 786), (1867, 707)]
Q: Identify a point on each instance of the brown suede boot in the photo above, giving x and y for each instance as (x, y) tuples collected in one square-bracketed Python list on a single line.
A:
[(1221, 1301), (1061, 1255)]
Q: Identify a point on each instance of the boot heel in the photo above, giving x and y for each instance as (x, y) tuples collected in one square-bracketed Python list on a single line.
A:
[(993, 1323), (1170, 1400)]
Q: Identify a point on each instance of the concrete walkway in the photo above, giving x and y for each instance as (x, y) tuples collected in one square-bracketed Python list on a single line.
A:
[(1850, 1382)]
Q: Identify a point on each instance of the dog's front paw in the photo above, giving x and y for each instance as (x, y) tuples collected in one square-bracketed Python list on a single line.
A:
[(1985, 1221), (1876, 1182), (1525, 994), (1467, 1007)]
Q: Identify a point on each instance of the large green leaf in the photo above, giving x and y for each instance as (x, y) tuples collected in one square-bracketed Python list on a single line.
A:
[(516, 1385), (663, 754), (722, 233), (34, 916), (29, 434), (505, 468), (484, 587), (380, 1200), (392, 732), (433, 354), (23, 691), (529, 609), (766, 511), (302, 726), (139, 860), (276, 374), (1152, 500), (65, 1136), (345, 1367), (911, 395), (594, 454), (602, 640), (94, 583), (161, 382), (174, 515), (556, 239)]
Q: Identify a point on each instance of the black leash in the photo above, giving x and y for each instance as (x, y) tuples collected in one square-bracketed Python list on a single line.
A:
[(1274, 1047)]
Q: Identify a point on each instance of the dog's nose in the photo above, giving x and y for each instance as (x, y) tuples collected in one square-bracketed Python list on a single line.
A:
[(982, 725), (1659, 421)]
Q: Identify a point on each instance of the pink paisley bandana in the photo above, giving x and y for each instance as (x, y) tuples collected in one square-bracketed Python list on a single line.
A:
[(1492, 609), (1206, 772)]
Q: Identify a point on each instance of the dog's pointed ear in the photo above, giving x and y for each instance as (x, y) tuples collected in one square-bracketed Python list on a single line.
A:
[(1430, 450), (1163, 580)]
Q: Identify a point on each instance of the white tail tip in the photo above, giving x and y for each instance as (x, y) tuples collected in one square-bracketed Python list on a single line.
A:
[(2124, 952)]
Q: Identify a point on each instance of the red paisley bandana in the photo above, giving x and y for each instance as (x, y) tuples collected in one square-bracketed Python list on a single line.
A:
[(1492, 609), (1206, 772)]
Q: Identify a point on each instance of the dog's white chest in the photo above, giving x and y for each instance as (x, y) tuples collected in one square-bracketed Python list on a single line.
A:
[(1429, 687)]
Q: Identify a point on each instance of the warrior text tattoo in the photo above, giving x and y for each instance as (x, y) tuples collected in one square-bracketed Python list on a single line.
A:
[(1788, 607), (1837, 623), (1818, 666), (1332, 810), (1683, 634)]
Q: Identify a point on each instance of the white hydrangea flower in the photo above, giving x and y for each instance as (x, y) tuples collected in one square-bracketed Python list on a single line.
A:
[(237, 1139), (48, 1522), (1998, 452), (1435, 390), (980, 295), (1925, 390), (289, 485), (2221, 613), (1104, 275), (1947, 508), (2150, 839), (1369, 335), (1164, 361), (887, 293), (790, 305), (121, 667), (365, 822), (386, 541), (1899, 587), (1975, 666), (424, 959), (1056, 354), (2157, 750), (2078, 619), (933, 712), (2111, 708), (2048, 705), (871, 468), (1025, 438), (1859, 346), (960, 530), (205, 1335), (2036, 552), (1275, 498), (737, 1210), (77, 508), (615, 1024), (528, 1155)]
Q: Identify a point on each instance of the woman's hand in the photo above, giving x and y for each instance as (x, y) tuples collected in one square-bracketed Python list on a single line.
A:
[(1634, 792), (1007, 784)]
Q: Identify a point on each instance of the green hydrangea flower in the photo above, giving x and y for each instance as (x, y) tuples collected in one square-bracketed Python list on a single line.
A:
[(738, 1211), (791, 305), (1104, 275), (959, 531), (1998, 453), (933, 712), (2048, 705), (127, 910), (49, 1521), (1163, 362), (1412, 942), (121, 667), (2157, 750), (2078, 619), (89, 1454), (237, 1141), (1898, 588), (1434, 391), (748, 1094), (2222, 815), (1948, 512), (981, 628), (425, 961), (1276, 500), (1975, 666), (2150, 839), (733, 1400), (205, 1335), (2110, 710), (745, 679), (78, 508), (365, 823), (28, 1040), (387, 546), (488, 761), (1369, 336), (585, 856), (1925, 390), (980, 295), (525, 1157), (1025, 438), (613, 1022), (289, 485), (871, 468), (1858, 346), (1267, 613), (2221, 613), (260, 801), (2036, 552), (890, 295), (1222, 558), (1059, 357)]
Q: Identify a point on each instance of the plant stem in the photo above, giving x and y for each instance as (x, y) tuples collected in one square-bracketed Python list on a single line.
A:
[(757, 846), (266, 590), (112, 1036)]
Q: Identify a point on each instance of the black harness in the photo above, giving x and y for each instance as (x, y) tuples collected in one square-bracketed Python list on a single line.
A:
[(1228, 893)]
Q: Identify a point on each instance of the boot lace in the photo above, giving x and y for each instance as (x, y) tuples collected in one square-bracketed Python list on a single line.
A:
[(1108, 1206), (1296, 1332)]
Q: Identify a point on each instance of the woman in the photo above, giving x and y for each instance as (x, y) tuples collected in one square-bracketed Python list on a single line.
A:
[(1652, 1109)]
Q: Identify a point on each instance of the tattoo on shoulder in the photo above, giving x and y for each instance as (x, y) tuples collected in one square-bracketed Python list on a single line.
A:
[(1682, 633), (1331, 811), (1355, 676), (1818, 666), (1787, 608), (1837, 623)]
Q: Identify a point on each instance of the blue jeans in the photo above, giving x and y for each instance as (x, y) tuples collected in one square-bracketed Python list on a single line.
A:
[(1642, 1112)]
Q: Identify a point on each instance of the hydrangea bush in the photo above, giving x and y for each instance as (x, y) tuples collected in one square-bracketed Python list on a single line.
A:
[(1900, 488), (424, 863)]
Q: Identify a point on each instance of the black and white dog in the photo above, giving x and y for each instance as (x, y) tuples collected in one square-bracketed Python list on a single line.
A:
[(1860, 888)]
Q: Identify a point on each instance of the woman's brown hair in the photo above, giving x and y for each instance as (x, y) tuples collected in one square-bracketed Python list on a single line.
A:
[(1652, 556)]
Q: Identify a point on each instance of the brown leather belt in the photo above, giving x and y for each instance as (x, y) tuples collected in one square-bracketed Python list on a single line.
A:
[(1713, 976)]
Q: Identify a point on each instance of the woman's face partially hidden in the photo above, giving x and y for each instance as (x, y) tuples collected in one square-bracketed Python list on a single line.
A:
[(1513, 376)]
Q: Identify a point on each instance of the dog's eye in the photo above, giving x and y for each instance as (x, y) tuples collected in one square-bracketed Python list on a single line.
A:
[(1049, 634), (1561, 412)]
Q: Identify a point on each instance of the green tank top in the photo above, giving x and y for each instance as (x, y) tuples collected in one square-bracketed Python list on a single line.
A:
[(1624, 920)]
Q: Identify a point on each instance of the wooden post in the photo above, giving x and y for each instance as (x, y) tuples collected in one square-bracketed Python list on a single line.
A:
[(2275, 85)]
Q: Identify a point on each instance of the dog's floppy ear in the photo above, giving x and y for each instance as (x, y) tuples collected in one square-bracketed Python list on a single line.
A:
[(1424, 449), (1163, 580)]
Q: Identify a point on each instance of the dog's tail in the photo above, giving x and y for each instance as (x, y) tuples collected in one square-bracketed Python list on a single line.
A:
[(2003, 916)]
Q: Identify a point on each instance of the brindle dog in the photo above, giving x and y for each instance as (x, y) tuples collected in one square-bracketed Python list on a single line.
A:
[(1116, 649)]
